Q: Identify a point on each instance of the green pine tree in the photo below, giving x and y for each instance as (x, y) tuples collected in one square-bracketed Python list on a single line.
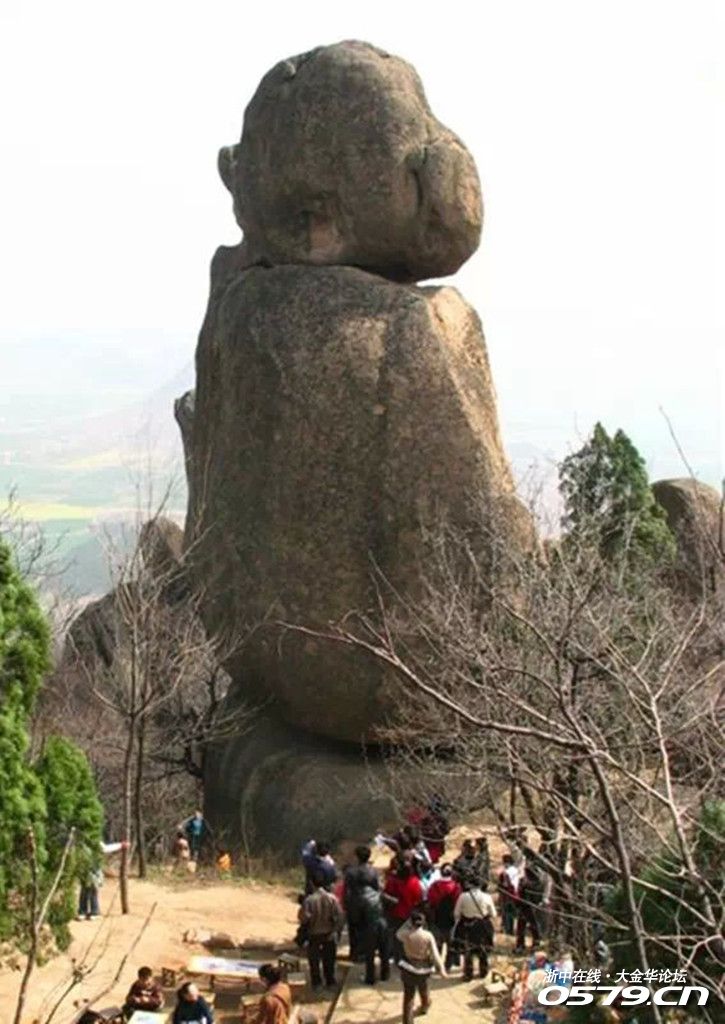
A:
[(72, 802), (24, 658), (608, 499)]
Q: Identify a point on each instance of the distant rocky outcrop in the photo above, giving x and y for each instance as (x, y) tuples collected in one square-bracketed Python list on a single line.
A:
[(695, 515), (99, 631), (337, 413)]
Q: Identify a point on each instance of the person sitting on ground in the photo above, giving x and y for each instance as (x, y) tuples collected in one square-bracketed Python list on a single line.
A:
[(473, 915), (144, 994), (191, 1007), (317, 861), (420, 957), (324, 918), (357, 877), (442, 898), (276, 1003)]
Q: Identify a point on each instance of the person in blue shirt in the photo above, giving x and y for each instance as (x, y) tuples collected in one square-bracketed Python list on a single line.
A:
[(196, 831), (191, 1007)]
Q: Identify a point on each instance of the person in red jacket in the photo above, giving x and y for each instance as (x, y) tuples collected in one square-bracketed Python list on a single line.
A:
[(442, 897), (403, 893)]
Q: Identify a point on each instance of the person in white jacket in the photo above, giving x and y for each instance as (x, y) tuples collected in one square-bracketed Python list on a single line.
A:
[(473, 915), (88, 905)]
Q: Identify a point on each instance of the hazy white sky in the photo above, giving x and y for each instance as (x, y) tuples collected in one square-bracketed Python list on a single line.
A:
[(598, 132)]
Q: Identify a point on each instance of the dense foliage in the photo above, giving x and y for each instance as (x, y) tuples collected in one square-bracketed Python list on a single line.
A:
[(24, 658), (71, 802), (47, 798), (606, 488)]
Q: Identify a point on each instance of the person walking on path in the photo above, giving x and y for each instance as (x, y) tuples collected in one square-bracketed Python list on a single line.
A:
[(196, 831), (373, 934), (402, 895), (420, 958), (317, 862), (92, 880), (530, 894), (442, 898), (473, 914), (322, 914), (508, 893), (358, 878)]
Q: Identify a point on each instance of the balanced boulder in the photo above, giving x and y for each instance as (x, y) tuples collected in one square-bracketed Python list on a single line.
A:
[(342, 162)]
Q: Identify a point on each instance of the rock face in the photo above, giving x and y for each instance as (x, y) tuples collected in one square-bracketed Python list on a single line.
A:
[(342, 162), (339, 410), (336, 413), (694, 515), (279, 786)]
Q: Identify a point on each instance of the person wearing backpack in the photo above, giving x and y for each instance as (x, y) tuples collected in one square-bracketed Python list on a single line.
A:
[(473, 914), (442, 898)]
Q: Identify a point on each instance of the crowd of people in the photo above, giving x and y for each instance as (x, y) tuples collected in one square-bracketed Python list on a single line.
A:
[(422, 912)]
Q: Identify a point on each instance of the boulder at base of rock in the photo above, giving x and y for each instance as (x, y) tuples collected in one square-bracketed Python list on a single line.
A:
[(342, 162), (276, 787), (337, 415)]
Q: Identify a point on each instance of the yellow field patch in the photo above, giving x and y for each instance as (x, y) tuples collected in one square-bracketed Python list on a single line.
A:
[(41, 512)]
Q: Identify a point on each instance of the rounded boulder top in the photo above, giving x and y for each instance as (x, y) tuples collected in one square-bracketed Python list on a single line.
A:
[(341, 162)]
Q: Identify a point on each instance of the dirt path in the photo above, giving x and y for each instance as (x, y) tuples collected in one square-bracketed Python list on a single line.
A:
[(453, 1000), (256, 914)]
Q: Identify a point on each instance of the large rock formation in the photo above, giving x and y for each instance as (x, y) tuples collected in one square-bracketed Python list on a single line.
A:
[(337, 413), (695, 515), (342, 162)]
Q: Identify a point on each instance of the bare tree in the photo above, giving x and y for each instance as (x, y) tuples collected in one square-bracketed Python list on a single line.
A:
[(581, 698), (38, 911), (145, 660)]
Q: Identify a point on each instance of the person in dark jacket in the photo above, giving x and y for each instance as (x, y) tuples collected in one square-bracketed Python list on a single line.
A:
[(144, 994), (374, 934), (191, 1007), (531, 891), (318, 863), (357, 878)]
